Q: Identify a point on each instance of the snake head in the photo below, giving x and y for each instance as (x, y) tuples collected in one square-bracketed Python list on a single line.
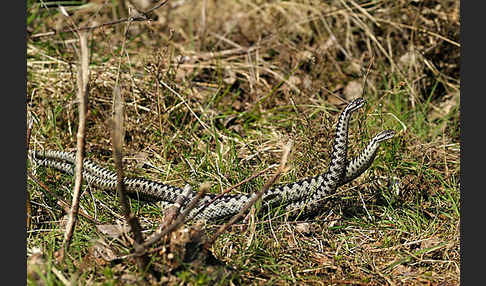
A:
[(384, 135), (355, 105)]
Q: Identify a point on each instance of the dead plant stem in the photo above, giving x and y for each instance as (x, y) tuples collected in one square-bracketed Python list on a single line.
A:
[(83, 78)]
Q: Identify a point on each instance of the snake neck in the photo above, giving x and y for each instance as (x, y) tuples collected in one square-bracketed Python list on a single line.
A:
[(362, 162), (337, 165), (335, 175)]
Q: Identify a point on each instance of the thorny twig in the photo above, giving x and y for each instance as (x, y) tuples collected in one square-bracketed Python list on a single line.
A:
[(268, 184)]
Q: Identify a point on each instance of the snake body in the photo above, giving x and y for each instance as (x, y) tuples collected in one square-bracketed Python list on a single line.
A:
[(305, 195)]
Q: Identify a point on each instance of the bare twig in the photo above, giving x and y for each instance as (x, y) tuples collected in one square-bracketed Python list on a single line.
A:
[(180, 219), (142, 16), (27, 202), (117, 135), (268, 184), (28, 210), (192, 56), (30, 122), (83, 77), (420, 29)]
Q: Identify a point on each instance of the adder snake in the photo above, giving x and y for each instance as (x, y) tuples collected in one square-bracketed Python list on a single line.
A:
[(303, 196)]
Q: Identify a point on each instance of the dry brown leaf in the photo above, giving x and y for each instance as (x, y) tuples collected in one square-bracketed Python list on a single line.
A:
[(335, 99), (294, 80), (185, 245), (303, 227), (402, 270), (409, 59), (353, 68), (324, 260), (431, 242)]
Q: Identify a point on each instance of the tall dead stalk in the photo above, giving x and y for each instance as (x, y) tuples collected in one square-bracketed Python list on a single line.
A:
[(30, 122), (82, 81), (117, 138)]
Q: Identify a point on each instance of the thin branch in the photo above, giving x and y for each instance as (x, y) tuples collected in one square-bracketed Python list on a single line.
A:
[(27, 202), (265, 188), (141, 16), (83, 78), (30, 122), (117, 135)]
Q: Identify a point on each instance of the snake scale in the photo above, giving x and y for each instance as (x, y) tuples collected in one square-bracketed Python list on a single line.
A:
[(304, 196)]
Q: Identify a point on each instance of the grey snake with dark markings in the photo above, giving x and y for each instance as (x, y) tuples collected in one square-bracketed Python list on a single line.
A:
[(303, 196)]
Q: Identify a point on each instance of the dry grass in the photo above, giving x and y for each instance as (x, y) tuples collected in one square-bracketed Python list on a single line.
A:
[(212, 88)]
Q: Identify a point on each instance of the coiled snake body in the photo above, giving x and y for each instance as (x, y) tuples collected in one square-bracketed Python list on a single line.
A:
[(304, 196)]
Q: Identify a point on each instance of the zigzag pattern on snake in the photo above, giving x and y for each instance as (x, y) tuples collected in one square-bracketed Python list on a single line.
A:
[(303, 196)]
